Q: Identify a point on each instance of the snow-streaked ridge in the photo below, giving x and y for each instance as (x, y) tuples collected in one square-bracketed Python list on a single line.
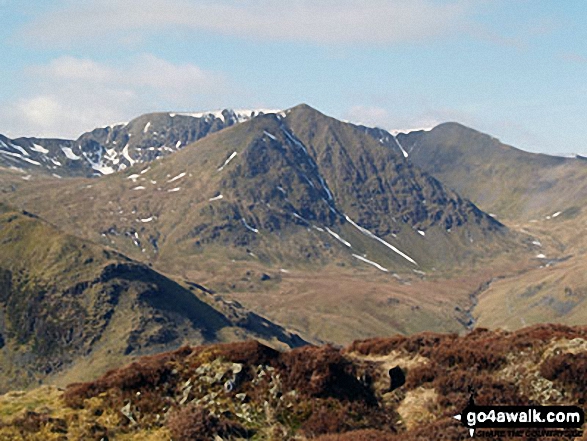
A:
[(240, 115)]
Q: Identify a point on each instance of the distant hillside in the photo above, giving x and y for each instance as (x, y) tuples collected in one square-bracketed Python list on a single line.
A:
[(249, 391), (282, 212), (70, 308), (500, 179), (291, 189), (106, 150)]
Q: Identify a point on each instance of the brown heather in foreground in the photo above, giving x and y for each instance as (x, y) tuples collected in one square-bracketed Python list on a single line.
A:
[(250, 391)]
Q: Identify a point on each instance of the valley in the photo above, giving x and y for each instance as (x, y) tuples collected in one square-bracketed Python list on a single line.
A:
[(328, 230)]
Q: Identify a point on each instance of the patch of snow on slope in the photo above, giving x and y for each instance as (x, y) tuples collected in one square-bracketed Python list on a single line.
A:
[(337, 237), (20, 149), (230, 158), (179, 176), (370, 262), (127, 156), (147, 127), (38, 148), (69, 153), (174, 189), (400, 147), (270, 135), (99, 166), (373, 236), (216, 198), (254, 230), (31, 161)]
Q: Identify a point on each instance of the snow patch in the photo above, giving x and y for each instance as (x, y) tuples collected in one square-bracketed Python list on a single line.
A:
[(177, 144), (558, 213), (370, 262), (104, 169), (421, 233), (230, 158), (400, 147), (31, 161), (127, 155), (140, 187), (373, 236), (174, 189), (254, 230), (216, 198), (20, 149), (149, 219), (540, 256), (69, 153), (39, 148), (179, 176), (270, 135), (147, 127), (337, 237)]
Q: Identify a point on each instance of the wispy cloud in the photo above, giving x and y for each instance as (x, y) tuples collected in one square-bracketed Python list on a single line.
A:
[(373, 116), (70, 95), (323, 22)]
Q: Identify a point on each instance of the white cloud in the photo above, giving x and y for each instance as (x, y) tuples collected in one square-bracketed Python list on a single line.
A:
[(69, 95), (323, 22), (373, 116)]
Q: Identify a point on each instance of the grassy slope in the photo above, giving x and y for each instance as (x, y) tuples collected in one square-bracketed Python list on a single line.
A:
[(70, 308), (554, 289), (500, 179), (525, 190)]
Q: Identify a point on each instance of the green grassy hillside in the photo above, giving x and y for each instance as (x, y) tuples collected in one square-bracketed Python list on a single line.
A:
[(70, 308)]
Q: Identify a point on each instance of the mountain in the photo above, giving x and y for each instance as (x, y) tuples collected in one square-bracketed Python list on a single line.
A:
[(70, 308), (285, 206), (500, 179), (541, 196), (113, 148), (250, 391), (278, 177)]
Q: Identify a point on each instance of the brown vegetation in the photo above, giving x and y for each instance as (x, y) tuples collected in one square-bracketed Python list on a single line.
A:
[(247, 390)]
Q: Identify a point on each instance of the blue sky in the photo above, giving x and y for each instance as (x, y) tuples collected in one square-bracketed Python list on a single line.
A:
[(514, 69)]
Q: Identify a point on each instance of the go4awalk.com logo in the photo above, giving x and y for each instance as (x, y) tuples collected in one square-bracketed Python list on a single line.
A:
[(529, 421)]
